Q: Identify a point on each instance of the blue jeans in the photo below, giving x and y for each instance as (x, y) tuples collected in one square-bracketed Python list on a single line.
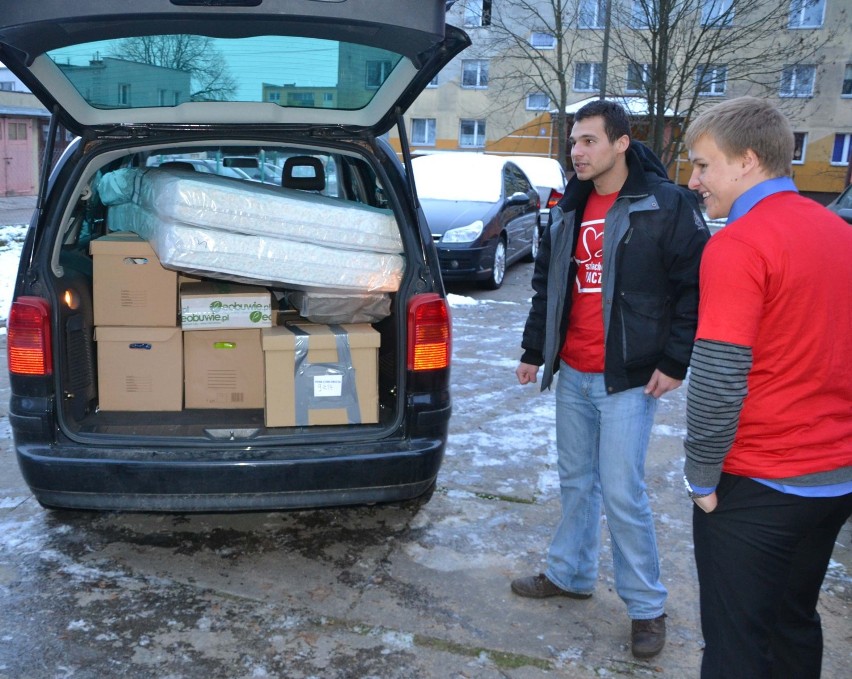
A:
[(602, 441)]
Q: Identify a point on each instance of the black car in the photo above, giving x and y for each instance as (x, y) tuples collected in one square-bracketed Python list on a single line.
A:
[(180, 341), (482, 211)]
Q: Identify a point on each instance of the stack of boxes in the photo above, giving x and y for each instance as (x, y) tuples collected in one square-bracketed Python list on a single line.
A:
[(168, 342)]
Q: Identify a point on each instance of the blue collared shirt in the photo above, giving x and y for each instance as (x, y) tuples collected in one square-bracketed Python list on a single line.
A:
[(740, 207)]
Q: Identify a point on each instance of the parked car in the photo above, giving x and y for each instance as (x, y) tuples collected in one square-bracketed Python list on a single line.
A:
[(482, 211), (98, 343), (842, 205), (549, 179)]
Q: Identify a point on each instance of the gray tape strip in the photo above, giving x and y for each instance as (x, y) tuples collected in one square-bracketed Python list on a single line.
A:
[(309, 375)]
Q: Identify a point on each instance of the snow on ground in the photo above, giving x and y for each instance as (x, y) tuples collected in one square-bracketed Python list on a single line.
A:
[(11, 238)]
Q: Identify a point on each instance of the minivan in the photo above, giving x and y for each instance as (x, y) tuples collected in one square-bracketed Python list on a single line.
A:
[(187, 341)]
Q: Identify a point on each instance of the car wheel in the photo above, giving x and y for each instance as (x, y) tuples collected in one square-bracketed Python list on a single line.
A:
[(498, 266), (536, 237)]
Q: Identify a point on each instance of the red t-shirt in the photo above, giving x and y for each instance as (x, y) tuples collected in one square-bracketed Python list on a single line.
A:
[(583, 349), (779, 280)]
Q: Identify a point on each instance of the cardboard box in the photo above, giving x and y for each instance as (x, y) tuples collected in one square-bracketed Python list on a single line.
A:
[(130, 285), (223, 368), (139, 368), (216, 304), (321, 374)]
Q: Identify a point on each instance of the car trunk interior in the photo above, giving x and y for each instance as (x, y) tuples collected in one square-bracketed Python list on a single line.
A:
[(350, 183)]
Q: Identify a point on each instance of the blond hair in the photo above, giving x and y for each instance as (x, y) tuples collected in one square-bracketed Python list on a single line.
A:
[(744, 123)]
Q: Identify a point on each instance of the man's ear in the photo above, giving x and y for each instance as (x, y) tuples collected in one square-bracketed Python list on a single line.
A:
[(750, 162), (622, 143)]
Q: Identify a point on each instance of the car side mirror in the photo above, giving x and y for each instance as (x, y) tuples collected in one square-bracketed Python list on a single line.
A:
[(518, 198)]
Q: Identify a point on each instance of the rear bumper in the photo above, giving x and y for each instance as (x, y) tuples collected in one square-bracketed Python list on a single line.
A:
[(161, 480)]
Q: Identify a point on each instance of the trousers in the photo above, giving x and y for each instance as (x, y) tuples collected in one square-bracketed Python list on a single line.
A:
[(602, 442), (761, 557)]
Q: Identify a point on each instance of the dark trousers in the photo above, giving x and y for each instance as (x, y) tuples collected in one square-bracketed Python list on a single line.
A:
[(761, 558)]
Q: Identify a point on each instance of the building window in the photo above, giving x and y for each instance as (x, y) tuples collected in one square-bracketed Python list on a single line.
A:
[(592, 14), (377, 73), (806, 13), (643, 14), (477, 13), (176, 97), (847, 81), (275, 96), (423, 131), (433, 82), (162, 97), (840, 152), (638, 77), (124, 94), (797, 81), (328, 97), (475, 73), (717, 13), (16, 131), (472, 133), (587, 77), (542, 41), (538, 101), (7, 86), (711, 79), (799, 146)]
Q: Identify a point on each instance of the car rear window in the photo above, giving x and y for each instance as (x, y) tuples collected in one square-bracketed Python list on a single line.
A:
[(169, 70)]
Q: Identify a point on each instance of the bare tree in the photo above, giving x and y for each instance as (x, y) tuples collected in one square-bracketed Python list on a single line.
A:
[(680, 54), (194, 54), (526, 67)]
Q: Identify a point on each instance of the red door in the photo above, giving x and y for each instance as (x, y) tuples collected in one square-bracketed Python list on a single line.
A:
[(16, 169)]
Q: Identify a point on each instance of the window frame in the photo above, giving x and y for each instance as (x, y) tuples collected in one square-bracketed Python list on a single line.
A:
[(427, 129), (476, 13), (593, 12), (846, 86), (646, 78), (479, 72), (700, 72), (594, 73), (549, 46), (369, 77), (803, 136), (546, 106), (845, 147), (709, 17), (794, 71), (479, 133), (799, 11)]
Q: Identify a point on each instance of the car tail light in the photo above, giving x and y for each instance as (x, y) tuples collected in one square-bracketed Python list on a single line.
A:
[(553, 199), (429, 343), (28, 337)]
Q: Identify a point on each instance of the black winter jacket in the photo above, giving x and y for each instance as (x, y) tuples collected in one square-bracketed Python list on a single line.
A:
[(653, 238)]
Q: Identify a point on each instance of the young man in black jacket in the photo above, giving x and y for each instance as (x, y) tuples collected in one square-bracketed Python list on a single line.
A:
[(614, 310)]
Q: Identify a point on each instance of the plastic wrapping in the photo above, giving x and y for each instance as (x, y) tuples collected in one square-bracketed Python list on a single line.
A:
[(326, 248), (324, 307)]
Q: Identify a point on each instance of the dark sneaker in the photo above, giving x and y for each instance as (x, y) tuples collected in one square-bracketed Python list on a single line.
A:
[(648, 637), (540, 587)]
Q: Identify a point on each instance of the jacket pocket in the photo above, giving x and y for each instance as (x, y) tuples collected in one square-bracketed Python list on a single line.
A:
[(645, 327)]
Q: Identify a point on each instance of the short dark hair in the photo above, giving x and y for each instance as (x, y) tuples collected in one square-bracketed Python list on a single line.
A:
[(616, 120)]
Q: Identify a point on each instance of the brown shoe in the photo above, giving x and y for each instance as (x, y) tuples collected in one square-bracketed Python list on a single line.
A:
[(540, 587), (648, 637)]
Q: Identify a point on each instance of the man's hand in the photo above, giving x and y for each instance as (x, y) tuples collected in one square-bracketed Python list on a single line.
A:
[(707, 503), (660, 384), (526, 373)]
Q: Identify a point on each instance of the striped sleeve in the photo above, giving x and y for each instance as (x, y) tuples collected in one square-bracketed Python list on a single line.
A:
[(718, 384)]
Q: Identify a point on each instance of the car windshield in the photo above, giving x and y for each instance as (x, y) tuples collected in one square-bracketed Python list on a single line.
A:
[(169, 70), (454, 177)]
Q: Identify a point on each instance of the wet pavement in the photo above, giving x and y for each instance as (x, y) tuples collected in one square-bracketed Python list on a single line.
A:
[(370, 592)]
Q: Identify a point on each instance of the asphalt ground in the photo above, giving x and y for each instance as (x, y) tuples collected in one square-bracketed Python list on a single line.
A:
[(381, 592)]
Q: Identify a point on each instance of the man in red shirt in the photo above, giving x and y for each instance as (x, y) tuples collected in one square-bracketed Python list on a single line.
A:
[(769, 401), (614, 310)]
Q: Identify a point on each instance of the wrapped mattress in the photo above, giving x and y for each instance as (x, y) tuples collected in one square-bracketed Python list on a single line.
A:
[(216, 226)]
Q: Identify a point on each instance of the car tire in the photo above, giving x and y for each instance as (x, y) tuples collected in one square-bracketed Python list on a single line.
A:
[(498, 266), (536, 238)]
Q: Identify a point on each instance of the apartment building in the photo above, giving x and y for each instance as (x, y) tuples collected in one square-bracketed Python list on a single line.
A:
[(797, 52)]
